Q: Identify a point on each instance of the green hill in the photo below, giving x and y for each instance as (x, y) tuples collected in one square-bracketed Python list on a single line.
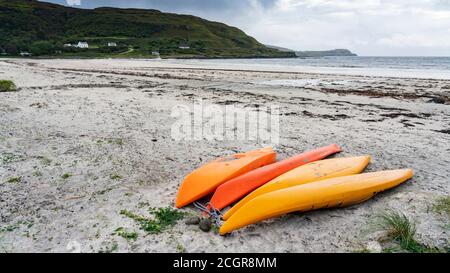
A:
[(43, 28)]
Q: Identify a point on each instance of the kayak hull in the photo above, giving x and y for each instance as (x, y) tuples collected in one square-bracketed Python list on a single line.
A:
[(206, 179), (315, 171), (334, 192), (236, 188)]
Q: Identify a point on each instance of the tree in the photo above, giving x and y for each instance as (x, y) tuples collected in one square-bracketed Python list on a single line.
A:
[(11, 49), (42, 48)]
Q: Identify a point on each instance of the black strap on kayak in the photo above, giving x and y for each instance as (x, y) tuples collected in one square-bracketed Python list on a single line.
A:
[(213, 213), (201, 207)]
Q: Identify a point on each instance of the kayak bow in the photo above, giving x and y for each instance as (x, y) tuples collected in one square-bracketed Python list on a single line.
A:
[(207, 178)]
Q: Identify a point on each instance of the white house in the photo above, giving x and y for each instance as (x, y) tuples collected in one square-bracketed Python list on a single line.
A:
[(112, 44), (25, 54), (156, 53), (83, 45), (184, 46), (68, 45)]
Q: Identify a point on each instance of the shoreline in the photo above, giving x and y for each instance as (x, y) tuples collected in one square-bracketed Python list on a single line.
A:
[(211, 64)]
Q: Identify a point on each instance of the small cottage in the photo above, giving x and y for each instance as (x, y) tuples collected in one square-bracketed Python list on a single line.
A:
[(184, 46), (25, 54), (112, 44), (83, 45)]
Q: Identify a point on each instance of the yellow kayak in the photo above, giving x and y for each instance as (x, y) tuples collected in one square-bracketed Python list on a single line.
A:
[(311, 172), (334, 192)]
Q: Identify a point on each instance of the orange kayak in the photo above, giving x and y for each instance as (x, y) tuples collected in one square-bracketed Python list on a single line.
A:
[(238, 187), (207, 178)]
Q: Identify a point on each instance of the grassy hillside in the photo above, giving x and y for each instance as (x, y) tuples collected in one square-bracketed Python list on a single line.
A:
[(43, 28)]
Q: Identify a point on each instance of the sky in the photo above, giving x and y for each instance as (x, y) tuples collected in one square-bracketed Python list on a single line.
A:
[(367, 27)]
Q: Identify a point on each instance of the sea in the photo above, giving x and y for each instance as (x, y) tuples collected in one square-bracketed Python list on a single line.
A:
[(404, 67)]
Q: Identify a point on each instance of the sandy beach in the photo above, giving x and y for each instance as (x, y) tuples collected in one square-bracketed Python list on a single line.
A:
[(89, 138)]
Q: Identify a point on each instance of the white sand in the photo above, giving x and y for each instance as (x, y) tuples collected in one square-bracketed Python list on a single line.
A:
[(95, 119)]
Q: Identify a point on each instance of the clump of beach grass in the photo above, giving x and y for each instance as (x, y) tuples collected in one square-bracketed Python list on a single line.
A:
[(442, 205), (66, 176), (400, 229), (7, 86), (128, 235), (115, 176), (163, 218), (15, 179)]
